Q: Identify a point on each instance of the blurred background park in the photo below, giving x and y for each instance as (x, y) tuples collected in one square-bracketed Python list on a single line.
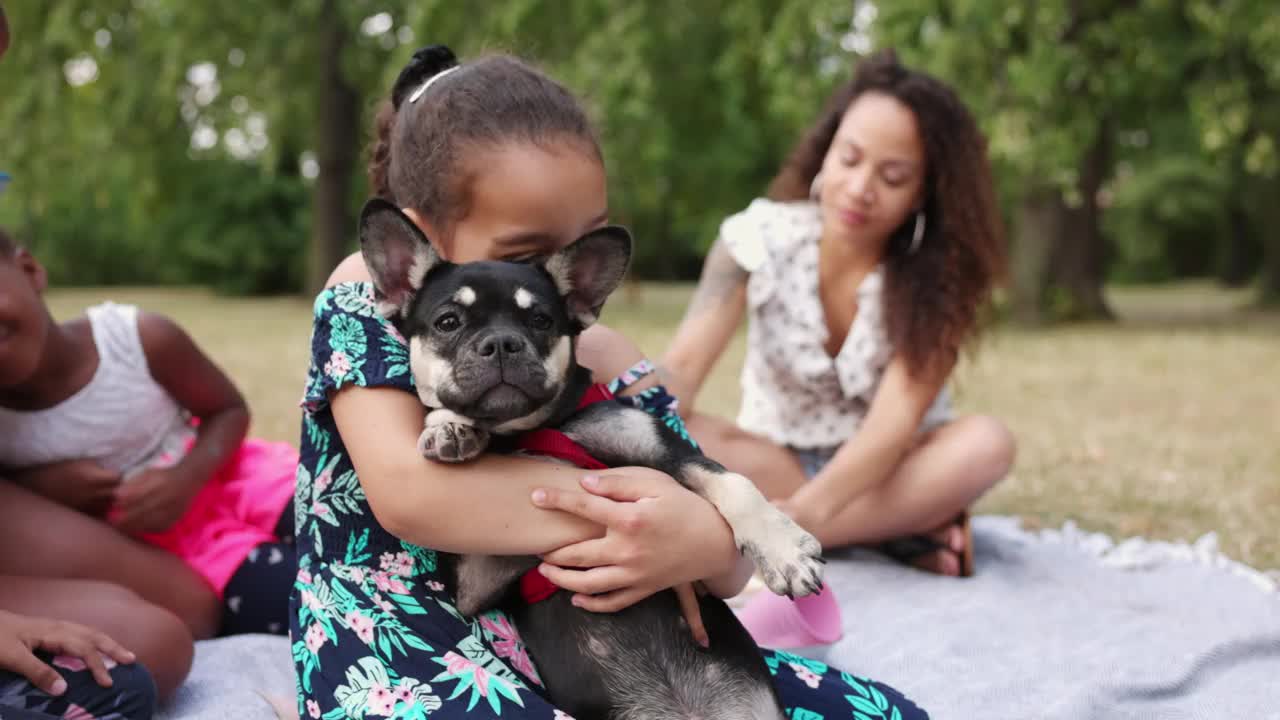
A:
[(205, 159)]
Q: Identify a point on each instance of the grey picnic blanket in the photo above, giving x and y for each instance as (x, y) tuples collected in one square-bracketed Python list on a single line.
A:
[(1056, 624)]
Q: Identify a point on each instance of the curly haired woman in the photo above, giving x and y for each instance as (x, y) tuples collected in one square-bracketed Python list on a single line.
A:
[(864, 272)]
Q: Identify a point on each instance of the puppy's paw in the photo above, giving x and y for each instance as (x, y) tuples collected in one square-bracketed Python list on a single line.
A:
[(452, 442), (788, 557), (449, 437)]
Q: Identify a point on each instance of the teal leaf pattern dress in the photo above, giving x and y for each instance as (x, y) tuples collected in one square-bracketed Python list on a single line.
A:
[(373, 627)]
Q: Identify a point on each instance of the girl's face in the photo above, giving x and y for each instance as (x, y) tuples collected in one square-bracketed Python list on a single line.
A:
[(873, 174), (526, 200), (24, 321)]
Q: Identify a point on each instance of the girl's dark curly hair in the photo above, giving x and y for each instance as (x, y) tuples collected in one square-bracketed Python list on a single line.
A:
[(933, 297), (418, 155)]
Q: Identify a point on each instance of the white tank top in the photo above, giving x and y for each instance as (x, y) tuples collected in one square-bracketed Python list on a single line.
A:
[(123, 418)]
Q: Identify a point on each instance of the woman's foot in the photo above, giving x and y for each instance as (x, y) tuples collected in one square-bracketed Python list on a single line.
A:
[(945, 550)]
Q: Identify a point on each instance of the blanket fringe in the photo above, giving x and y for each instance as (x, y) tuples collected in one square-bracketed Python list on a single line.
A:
[(1139, 553)]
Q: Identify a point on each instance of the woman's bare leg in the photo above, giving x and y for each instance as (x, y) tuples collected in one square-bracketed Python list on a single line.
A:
[(945, 473), (774, 469), (159, 639), (39, 538)]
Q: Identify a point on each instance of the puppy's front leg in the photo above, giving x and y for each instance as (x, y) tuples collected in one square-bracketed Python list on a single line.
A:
[(450, 437), (788, 557)]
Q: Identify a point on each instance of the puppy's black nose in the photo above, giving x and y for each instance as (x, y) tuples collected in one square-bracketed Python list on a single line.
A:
[(500, 344)]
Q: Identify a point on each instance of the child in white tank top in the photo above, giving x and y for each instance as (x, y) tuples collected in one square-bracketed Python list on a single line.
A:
[(119, 415)]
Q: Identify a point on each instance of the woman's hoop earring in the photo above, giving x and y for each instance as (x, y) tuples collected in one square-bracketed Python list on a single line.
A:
[(917, 236), (815, 187)]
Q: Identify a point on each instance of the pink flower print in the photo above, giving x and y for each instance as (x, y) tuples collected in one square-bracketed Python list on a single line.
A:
[(405, 562), (76, 664), (386, 583), (310, 601), (383, 603), (507, 645), (562, 715), (404, 694), (304, 576), (315, 638), (395, 334), (435, 585), (380, 701), (313, 708), (323, 479), (75, 712), (398, 564), (362, 624), (318, 509), (338, 366), (806, 676), (357, 574), (457, 665), (69, 662)]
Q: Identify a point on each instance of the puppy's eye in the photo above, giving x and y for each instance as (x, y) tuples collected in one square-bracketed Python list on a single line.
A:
[(448, 323), (540, 321)]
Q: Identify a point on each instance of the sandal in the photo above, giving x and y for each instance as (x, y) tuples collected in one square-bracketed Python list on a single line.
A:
[(912, 549)]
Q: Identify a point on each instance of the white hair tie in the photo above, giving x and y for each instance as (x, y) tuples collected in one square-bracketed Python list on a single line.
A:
[(423, 88)]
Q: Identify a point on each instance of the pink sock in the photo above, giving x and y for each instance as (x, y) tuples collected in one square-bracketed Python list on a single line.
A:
[(776, 622)]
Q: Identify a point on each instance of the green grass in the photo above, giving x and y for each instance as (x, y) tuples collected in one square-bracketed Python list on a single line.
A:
[(1165, 425)]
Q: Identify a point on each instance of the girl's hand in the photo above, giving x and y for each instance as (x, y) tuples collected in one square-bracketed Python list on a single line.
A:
[(657, 535), (154, 500), (82, 485), (21, 636)]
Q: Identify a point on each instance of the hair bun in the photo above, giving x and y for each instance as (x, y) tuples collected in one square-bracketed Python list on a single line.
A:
[(425, 63)]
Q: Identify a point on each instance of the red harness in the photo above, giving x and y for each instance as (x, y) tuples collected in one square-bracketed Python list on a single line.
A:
[(534, 586)]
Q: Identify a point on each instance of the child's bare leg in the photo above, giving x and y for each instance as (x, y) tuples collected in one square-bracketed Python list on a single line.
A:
[(43, 539), (159, 639)]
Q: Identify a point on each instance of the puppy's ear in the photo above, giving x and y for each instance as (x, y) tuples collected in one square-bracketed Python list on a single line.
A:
[(587, 271), (398, 255)]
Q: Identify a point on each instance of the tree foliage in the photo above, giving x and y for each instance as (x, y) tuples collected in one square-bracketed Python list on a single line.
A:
[(157, 141)]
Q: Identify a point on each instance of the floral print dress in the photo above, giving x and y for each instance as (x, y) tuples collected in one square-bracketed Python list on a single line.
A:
[(374, 630)]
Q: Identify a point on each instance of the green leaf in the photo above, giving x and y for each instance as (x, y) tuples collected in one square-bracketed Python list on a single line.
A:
[(864, 705), (852, 682), (417, 643), (878, 698)]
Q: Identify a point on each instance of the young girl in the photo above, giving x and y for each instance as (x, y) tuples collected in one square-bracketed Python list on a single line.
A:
[(118, 415), (493, 160), (864, 271)]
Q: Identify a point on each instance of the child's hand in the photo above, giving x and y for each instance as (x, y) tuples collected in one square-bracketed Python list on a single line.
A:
[(153, 501), (21, 636), (658, 534), (82, 485)]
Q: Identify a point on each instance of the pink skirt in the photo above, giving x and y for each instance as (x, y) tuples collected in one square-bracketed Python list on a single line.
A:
[(234, 512)]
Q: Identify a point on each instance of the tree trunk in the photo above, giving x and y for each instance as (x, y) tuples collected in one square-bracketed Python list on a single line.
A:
[(1269, 229), (1239, 259), (332, 228), (1080, 265), (1038, 230)]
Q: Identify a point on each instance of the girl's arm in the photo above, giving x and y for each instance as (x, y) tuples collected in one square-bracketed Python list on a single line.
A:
[(869, 458), (714, 314), (199, 386), (155, 499)]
